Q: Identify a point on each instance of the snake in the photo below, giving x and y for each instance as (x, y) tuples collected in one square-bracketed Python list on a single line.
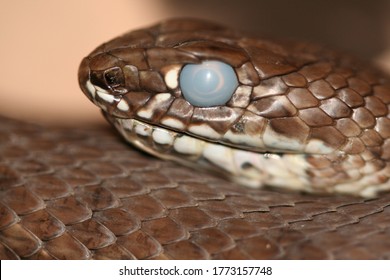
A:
[(262, 112), (309, 124)]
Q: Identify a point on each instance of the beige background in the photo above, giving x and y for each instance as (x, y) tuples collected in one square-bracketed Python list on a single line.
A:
[(43, 41)]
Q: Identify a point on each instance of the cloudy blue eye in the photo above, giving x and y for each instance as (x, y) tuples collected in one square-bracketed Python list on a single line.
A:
[(208, 84)]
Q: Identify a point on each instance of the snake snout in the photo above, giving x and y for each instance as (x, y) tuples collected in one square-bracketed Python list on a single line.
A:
[(101, 79)]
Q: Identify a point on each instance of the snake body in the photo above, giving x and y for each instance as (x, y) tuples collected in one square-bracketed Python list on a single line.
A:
[(302, 117)]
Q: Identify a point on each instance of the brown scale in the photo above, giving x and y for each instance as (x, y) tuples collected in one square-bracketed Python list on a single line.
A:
[(302, 91)]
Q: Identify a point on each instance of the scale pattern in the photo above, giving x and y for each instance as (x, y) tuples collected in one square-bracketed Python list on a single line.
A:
[(81, 193), (293, 98)]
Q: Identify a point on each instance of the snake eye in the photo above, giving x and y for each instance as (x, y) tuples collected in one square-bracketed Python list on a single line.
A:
[(208, 84)]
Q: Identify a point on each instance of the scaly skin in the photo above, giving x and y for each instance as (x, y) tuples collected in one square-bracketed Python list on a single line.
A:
[(303, 117)]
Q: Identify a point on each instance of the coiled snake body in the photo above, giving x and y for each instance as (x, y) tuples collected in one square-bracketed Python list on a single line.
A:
[(298, 116)]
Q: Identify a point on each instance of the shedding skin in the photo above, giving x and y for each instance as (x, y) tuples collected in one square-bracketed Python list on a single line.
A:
[(302, 117)]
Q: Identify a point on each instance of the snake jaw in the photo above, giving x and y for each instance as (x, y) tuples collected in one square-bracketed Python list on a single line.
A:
[(245, 167)]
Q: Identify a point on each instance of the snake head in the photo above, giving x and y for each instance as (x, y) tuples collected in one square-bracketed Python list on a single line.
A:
[(193, 76)]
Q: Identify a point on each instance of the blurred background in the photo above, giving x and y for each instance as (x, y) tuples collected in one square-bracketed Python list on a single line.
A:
[(43, 41)]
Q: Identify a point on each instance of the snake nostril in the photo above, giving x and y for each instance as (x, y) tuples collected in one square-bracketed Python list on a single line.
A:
[(115, 80), (111, 80)]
